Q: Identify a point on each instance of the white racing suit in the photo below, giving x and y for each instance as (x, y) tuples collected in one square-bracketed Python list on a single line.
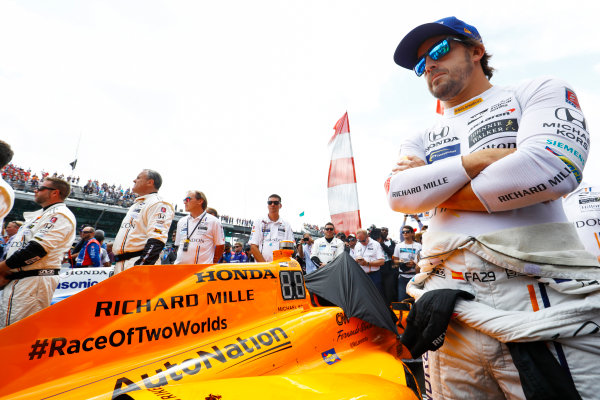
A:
[(538, 299), (327, 251), (54, 230), (143, 232)]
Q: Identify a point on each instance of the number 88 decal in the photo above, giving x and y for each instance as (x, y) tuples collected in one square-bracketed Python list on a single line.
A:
[(292, 285)]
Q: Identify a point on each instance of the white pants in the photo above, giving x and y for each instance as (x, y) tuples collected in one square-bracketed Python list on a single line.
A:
[(24, 297), (473, 365), (121, 266)]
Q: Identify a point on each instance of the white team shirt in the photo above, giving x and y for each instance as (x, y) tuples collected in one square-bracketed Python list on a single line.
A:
[(582, 207), (267, 234), (326, 251), (7, 200), (541, 118), (204, 232), (149, 217), (371, 252), (407, 252), (53, 229)]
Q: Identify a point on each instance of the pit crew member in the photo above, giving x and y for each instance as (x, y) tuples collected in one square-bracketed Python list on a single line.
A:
[(145, 228), (267, 232), (327, 248), (36, 253), (199, 237)]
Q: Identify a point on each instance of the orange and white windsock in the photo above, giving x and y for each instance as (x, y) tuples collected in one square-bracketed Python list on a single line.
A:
[(341, 184)]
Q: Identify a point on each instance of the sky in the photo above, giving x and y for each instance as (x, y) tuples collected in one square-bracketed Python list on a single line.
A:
[(238, 99)]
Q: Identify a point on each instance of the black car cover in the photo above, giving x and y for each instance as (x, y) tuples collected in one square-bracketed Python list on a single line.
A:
[(344, 284)]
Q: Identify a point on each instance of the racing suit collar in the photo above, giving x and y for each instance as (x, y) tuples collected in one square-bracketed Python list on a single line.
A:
[(51, 205)]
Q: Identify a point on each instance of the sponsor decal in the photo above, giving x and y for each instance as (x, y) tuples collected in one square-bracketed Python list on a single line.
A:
[(467, 106), (441, 142), (588, 222), (76, 285), (60, 346), (522, 193), (286, 308), (237, 274), (122, 307), (501, 104), (363, 326), (476, 116), (330, 357), (403, 192), (504, 125), (442, 153), (157, 231), (576, 172), (341, 319), (571, 98), (571, 116), (239, 351), (230, 296), (53, 220), (435, 183), (163, 209), (492, 117), (435, 136), (386, 185), (561, 176)]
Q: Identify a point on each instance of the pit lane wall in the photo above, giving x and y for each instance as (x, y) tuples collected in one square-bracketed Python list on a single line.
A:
[(155, 326), (74, 280)]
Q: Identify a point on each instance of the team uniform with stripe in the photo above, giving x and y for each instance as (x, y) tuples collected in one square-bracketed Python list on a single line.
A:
[(204, 233), (149, 217), (543, 121), (54, 230)]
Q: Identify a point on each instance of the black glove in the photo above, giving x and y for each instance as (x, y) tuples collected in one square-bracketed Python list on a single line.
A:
[(428, 320)]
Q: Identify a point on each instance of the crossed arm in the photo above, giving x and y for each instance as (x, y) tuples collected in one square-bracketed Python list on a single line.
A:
[(474, 163)]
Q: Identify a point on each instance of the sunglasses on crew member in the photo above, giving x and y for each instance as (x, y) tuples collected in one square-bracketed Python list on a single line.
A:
[(273, 202), (187, 199), (328, 229), (435, 52), (42, 188), (406, 232)]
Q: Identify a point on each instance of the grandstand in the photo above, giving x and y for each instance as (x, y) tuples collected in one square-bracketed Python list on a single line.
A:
[(103, 206)]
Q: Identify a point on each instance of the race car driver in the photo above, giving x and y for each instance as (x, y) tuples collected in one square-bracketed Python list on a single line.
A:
[(145, 228), (34, 258), (327, 248), (492, 169)]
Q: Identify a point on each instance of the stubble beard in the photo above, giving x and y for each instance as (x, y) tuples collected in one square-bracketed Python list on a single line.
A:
[(454, 82)]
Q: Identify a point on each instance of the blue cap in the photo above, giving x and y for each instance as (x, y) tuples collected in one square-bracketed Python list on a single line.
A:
[(406, 52)]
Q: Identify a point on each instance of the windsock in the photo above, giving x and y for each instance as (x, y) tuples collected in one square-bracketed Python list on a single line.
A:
[(341, 184)]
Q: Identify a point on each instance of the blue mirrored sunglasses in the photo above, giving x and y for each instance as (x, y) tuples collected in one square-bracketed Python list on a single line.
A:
[(435, 52)]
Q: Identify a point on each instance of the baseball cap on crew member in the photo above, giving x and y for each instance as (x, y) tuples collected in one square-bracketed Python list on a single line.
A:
[(406, 52)]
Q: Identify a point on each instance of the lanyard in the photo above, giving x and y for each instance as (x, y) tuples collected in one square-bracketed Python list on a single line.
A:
[(187, 224)]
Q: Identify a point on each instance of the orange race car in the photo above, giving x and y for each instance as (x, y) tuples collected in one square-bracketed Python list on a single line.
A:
[(223, 331)]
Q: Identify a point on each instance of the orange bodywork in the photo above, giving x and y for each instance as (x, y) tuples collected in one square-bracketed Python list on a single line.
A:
[(199, 330)]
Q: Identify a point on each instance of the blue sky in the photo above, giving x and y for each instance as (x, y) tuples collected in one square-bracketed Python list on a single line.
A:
[(239, 99)]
